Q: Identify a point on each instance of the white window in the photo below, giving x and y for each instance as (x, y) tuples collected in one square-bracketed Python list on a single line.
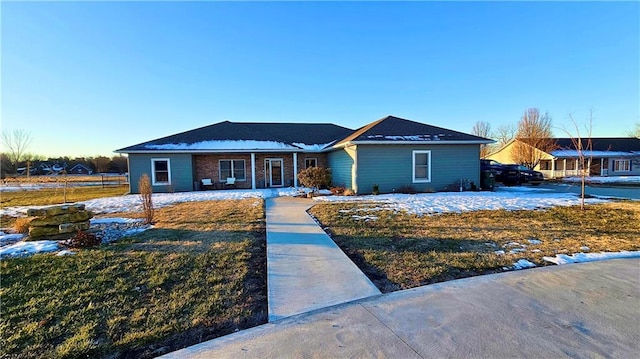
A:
[(622, 165), (310, 162), (421, 166), (232, 168), (160, 171)]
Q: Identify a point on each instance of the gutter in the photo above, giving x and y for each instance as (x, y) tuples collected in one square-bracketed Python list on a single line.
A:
[(420, 143), (219, 151)]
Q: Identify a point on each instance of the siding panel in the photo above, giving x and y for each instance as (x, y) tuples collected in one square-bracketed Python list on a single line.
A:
[(341, 165), (390, 167), (181, 171)]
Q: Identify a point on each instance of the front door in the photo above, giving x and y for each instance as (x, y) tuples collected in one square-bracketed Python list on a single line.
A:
[(274, 172)]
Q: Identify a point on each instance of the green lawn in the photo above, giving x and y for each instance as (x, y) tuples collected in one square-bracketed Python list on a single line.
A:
[(199, 274), (399, 251)]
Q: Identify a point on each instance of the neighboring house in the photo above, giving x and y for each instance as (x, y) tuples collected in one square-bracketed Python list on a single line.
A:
[(391, 152), (616, 156), (80, 169)]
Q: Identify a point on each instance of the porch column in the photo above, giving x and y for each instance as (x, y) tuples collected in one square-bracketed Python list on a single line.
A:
[(578, 169), (564, 169), (253, 170), (295, 169), (602, 166), (553, 168)]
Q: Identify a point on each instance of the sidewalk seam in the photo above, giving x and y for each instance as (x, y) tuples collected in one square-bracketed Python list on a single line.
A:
[(391, 330)]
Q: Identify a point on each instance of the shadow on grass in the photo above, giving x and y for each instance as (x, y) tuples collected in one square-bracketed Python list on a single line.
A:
[(401, 263), (146, 295)]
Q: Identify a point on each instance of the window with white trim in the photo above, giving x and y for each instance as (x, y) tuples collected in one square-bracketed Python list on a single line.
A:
[(622, 165), (160, 171), (231, 168), (421, 166), (310, 162)]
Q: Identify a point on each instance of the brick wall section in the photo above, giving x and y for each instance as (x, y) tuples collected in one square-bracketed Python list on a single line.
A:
[(207, 166), (287, 162)]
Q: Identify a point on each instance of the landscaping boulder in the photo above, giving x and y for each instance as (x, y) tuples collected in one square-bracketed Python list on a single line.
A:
[(58, 222)]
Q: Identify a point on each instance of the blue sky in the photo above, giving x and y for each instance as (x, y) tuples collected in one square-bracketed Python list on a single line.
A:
[(87, 78)]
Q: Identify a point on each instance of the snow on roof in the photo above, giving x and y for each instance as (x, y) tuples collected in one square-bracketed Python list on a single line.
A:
[(574, 153), (408, 137), (224, 145), (313, 147)]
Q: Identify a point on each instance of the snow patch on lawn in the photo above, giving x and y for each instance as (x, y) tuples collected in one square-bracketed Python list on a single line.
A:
[(27, 248), (132, 202), (523, 264), (512, 199), (590, 257)]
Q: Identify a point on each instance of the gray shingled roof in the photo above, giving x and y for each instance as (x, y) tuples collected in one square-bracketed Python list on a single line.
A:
[(290, 135), (614, 144), (395, 129), (286, 133)]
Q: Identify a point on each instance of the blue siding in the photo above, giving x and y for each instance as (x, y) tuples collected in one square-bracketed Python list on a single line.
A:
[(391, 166), (181, 171), (341, 165)]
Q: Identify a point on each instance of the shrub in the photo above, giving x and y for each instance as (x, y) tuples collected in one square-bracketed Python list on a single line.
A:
[(376, 189), (82, 240), (22, 224), (338, 191), (315, 177), (146, 191), (348, 192)]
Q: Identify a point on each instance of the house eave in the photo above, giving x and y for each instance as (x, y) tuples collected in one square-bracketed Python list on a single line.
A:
[(432, 142), (218, 151)]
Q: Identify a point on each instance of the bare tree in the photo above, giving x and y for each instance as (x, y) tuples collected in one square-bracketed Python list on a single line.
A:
[(583, 145), (534, 138), (504, 134), (16, 143), (635, 132), (482, 129)]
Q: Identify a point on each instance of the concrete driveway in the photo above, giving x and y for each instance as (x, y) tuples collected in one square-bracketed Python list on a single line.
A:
[(580, 311), (628, 192)]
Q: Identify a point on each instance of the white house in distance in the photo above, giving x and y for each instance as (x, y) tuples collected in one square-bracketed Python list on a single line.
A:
[(615, 156)]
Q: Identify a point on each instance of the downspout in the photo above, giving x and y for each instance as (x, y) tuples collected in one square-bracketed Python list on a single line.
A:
[(253, 170), (295, 169)]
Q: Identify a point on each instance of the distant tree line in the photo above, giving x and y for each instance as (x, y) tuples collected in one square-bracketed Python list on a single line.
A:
[(34, 165), (16, 160)]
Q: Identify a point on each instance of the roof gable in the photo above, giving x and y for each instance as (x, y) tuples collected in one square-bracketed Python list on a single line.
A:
[(395, 129)]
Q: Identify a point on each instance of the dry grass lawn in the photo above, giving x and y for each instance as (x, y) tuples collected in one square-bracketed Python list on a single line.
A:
[(399, 250), (199, 274)]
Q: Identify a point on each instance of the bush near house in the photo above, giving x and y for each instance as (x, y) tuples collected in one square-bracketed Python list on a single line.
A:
[(315, 177)]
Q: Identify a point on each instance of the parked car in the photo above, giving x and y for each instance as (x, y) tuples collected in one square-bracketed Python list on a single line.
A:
[(507, 176), (525, 175), (512, 174)]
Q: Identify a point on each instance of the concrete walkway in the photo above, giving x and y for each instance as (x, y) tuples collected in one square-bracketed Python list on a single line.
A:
[(306, 270), (579, 310)]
